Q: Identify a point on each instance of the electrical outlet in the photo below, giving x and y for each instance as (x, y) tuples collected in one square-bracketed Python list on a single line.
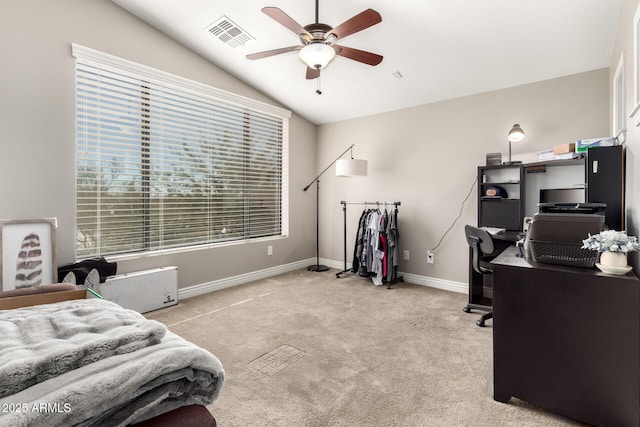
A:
[(430, 257), (269, 250), (406, 255)]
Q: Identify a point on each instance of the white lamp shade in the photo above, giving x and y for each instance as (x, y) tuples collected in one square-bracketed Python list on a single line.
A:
[(516, 133), (317, 55), (351, 167)]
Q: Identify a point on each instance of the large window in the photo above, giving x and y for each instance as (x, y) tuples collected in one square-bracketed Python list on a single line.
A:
[(164, 162)]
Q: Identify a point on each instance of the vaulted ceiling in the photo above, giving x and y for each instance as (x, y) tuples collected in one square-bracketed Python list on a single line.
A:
[(433, 49)]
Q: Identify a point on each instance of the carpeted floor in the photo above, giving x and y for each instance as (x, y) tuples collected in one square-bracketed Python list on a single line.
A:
[(308, 349)]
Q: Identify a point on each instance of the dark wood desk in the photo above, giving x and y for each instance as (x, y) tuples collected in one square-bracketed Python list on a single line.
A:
[(567, 339)]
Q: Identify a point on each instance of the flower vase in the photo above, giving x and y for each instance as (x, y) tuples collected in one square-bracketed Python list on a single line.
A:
[(613, 259), (613, 263)]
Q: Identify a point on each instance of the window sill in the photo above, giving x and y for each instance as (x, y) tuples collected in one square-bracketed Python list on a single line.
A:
[(163, 252)]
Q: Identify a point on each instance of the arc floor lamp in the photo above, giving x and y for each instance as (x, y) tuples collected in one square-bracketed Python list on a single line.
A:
[(344, 167)]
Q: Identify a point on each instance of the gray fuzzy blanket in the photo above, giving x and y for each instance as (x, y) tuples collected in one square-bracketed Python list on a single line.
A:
[(45, 341), (121, 389)]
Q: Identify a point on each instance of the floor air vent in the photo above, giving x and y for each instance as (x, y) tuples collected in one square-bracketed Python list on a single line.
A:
[(276, 360), (229, 32)]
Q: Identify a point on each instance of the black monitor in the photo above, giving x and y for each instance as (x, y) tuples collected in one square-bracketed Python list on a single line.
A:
[(567, 200), (562, 195)]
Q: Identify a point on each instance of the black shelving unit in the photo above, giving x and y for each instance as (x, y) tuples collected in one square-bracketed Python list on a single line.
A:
[(605, 177), (501, 212)]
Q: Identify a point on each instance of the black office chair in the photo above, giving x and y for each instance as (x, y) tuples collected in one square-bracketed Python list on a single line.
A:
[(481, 245)]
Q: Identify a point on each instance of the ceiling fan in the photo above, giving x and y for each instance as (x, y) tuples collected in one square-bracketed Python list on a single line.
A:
[(318, 47)]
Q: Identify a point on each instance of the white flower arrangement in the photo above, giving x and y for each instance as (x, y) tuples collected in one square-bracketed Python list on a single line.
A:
[(611, 241)]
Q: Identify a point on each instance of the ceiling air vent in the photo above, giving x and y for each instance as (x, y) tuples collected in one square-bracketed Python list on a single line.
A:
[(229, 32)]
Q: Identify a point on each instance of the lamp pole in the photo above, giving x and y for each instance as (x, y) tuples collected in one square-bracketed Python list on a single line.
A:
[(330, 164), (317, 266)]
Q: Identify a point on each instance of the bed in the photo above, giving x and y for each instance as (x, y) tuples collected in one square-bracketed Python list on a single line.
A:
[(92, 362)]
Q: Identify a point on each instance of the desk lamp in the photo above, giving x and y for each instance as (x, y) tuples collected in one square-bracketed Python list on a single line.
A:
[(516, 134), (344, 167)]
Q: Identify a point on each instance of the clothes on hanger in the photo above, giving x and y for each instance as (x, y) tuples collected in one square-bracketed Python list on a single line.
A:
[(392, 247), (376, 246), (358, 247)]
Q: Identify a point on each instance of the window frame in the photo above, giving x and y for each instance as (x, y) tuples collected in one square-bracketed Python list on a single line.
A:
[(86, 55), (618, 103), (636, 68)]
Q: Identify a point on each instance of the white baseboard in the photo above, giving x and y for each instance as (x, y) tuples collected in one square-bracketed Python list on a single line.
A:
[(434, 282), (216, 285), (331, 263)]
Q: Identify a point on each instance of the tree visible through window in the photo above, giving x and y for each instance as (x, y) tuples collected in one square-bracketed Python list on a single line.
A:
[(163, 166)]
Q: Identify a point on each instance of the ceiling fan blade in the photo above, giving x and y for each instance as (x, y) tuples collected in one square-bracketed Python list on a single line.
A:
[(283, 19), (267, 53), (357, 23), (358, 55), (312, 73)]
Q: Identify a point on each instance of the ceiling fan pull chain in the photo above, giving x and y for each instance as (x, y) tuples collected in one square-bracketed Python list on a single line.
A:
[(318, 91)]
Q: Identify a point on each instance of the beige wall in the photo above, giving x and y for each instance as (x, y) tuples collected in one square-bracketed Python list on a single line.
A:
[(427, 158), (37, 119), (624, 44)]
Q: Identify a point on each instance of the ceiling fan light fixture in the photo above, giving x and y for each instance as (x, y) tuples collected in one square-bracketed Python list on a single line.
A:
[(317, 55)]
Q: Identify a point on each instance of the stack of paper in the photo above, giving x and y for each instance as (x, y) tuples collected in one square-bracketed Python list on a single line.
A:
[(494, 230), (546, 155)]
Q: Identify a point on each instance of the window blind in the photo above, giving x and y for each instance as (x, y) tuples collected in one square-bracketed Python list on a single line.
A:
[(164, 162)]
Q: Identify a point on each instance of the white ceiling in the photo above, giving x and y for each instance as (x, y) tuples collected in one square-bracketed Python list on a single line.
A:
[(444, 49)]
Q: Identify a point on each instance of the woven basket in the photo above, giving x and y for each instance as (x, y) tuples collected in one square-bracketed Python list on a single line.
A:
[(562, 253)]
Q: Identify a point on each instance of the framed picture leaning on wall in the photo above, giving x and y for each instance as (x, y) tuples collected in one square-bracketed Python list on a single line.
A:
[(27, 253)]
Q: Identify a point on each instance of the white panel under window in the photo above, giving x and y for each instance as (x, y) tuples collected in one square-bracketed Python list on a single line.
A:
[(164, 164)]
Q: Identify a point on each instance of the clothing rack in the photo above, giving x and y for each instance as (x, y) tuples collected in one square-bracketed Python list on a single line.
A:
[(344, 204)]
